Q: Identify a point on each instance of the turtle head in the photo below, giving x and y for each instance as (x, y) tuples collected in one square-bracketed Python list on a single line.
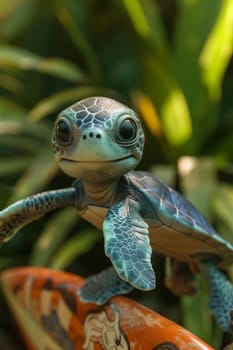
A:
[(97, 138)]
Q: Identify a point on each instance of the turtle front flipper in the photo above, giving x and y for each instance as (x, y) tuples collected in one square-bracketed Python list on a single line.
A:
[(32, 208), (221, 294), (127, 244)]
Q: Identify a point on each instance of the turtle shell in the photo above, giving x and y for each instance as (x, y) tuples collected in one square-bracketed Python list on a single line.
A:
[(176, 227)]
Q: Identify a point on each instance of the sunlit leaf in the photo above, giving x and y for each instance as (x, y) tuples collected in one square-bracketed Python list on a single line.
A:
[(218, 50), (138, 17), (149, 114), (76, 246), (192, 28), (190, 33), (15, 57), (147, 22), (51, 237), (176, 118), (170, 102), (8, 6)]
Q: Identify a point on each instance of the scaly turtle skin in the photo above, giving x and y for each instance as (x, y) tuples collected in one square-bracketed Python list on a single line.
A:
[(99, 142)]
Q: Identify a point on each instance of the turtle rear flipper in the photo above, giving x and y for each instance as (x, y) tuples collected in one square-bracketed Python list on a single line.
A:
[(21, 213), (101, 287), (180, 280), (221, 294)]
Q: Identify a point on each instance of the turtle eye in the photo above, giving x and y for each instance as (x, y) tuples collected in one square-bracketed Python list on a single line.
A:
[(127, 131), (63, 131)]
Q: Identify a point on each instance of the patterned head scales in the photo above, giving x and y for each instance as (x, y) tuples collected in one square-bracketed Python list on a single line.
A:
[(100, 112), (97, 111)]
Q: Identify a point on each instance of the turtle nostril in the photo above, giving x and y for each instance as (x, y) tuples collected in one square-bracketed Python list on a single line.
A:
[(91, 135)]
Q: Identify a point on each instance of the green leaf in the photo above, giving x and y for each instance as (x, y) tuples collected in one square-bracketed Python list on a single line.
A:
[(197, 318), (62, 69), (218, 50), (12, 166), (13, 144), (14, 121), (11, 110), (66, 17), (138, 17), (170, 102), (7, 261), (11, 84), (52, 236), (18, 58), (13, 127), (147, 22), (40, 172), (16, 16), (8, 6), (60, 99), (175, 112), (76, 246), (198, 182), (223, 207), (190, 33)]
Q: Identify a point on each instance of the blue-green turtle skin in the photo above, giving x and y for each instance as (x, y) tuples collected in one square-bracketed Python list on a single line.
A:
[(99, 141)]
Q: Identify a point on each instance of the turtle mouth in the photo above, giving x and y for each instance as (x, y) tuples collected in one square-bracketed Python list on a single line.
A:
[(98, 161)]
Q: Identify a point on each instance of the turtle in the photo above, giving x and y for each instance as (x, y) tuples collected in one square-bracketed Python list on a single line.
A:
[(99, 141)]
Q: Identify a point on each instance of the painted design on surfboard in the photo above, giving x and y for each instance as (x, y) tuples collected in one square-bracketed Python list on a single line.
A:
[(51, 316), (99, 328)]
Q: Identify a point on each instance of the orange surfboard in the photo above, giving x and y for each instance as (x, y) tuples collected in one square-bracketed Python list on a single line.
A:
[(51, 316)]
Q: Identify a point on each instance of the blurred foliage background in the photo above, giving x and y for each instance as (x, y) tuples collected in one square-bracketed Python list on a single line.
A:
[(171, 60)]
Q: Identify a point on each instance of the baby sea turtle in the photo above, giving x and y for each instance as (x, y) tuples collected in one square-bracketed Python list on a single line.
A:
[(99, 141)]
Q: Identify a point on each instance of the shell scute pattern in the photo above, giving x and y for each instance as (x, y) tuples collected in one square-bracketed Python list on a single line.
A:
[(170, 207)]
